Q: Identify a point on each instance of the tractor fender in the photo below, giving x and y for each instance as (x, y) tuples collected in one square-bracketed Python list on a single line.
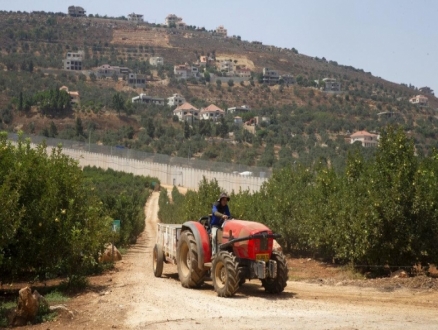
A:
[(202, 241)]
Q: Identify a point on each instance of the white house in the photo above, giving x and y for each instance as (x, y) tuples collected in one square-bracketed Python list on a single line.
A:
[(156, 61), (135, 18), (186, 112), (212, 112), (419, 100), (365, 138), (241, 109), (143, 98), (176, 100)]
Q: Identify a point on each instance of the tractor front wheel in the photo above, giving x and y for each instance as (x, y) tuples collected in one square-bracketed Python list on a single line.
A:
[(277, 285), (225, 274), (187, 261)]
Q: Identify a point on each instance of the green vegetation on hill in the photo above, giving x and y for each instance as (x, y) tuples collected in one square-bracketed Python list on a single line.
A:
[(380, 210)]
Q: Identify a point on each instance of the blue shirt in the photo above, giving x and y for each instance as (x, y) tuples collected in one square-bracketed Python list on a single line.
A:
[(217, 207)]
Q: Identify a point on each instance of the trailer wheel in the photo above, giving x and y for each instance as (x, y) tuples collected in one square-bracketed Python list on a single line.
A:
[(158, 260), (187, 261), (277, 285), (225, 273)]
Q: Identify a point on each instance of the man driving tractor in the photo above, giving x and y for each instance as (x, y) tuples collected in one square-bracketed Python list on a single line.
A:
[(220, 213)]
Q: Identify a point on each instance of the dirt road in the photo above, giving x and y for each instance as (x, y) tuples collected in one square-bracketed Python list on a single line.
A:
[(132, 298)]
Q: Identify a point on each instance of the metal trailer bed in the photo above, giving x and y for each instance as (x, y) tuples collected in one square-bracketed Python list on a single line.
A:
[(168, 236)]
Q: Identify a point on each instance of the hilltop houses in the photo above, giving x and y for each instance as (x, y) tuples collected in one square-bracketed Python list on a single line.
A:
[(73, 61), (220, 30), (331, 85), (156, 61), (365, 138), (76, 11), (241, 109), (135, 18), (419, 100), (186, 112), (174, 21), (212, 112), (145, 99), (74, 96), (137, 80), (185, 71), (176, 100), (270, 77), (109, 71)]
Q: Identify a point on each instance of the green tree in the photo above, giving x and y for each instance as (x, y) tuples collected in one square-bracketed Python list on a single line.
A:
[(79, 129), (231, 83), (118, 102)]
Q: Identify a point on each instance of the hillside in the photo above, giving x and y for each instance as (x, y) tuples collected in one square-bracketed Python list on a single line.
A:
[(305, 123)]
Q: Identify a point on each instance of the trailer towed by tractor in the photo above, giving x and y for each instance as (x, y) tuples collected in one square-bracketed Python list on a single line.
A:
[(245, 252)]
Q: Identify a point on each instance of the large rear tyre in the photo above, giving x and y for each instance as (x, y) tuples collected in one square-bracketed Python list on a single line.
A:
[(187, 261), (277, 285), (158, 260), (225, 274)]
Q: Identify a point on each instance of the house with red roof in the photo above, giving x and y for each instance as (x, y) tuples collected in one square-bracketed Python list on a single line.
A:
[(186, 112), (212, 112), (365, 138)]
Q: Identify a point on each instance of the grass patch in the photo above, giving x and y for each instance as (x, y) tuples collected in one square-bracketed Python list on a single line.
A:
[(4, 306), (56, 297), (123, 250)]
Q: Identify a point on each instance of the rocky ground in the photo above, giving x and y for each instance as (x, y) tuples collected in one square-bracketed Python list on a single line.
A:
[(130, 297)]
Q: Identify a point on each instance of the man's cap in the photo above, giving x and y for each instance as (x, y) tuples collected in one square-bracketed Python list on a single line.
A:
[(223, 195)]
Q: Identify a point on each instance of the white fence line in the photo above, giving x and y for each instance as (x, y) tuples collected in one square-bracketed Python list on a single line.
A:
[(167, 174)]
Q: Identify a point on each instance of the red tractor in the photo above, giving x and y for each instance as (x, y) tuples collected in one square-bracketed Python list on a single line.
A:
[(244, 253)]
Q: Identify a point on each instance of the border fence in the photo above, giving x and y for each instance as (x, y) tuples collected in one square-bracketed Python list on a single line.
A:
[(178, 171)]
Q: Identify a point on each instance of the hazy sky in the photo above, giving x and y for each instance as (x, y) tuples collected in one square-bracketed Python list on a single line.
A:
[(394, 39)]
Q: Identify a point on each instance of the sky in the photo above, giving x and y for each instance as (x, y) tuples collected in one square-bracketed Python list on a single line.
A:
[(393, 39)]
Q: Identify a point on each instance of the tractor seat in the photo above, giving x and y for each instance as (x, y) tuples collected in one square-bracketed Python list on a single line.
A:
[(206, 222)]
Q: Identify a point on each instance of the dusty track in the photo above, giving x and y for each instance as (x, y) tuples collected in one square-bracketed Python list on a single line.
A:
[(135, 299)]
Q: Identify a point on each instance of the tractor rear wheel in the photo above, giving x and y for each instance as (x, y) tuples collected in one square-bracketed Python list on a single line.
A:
[(225, 274), (158, 260), (187, 261), (277, 285)]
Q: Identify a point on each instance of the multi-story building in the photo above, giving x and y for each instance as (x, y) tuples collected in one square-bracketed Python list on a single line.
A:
[(108, 71), (226, 66), (135, 18), (220, 30), (365, 138), (143, 98), (73, 60), (212, 112), (176, 100), (137, 80), (156, 61), (331, 85), (76, 11), (173, 21), (420, 100), (185, 71), (270, 77), (186, 112)]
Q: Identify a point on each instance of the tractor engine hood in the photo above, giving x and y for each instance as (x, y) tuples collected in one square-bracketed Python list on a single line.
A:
[(243, 228)]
